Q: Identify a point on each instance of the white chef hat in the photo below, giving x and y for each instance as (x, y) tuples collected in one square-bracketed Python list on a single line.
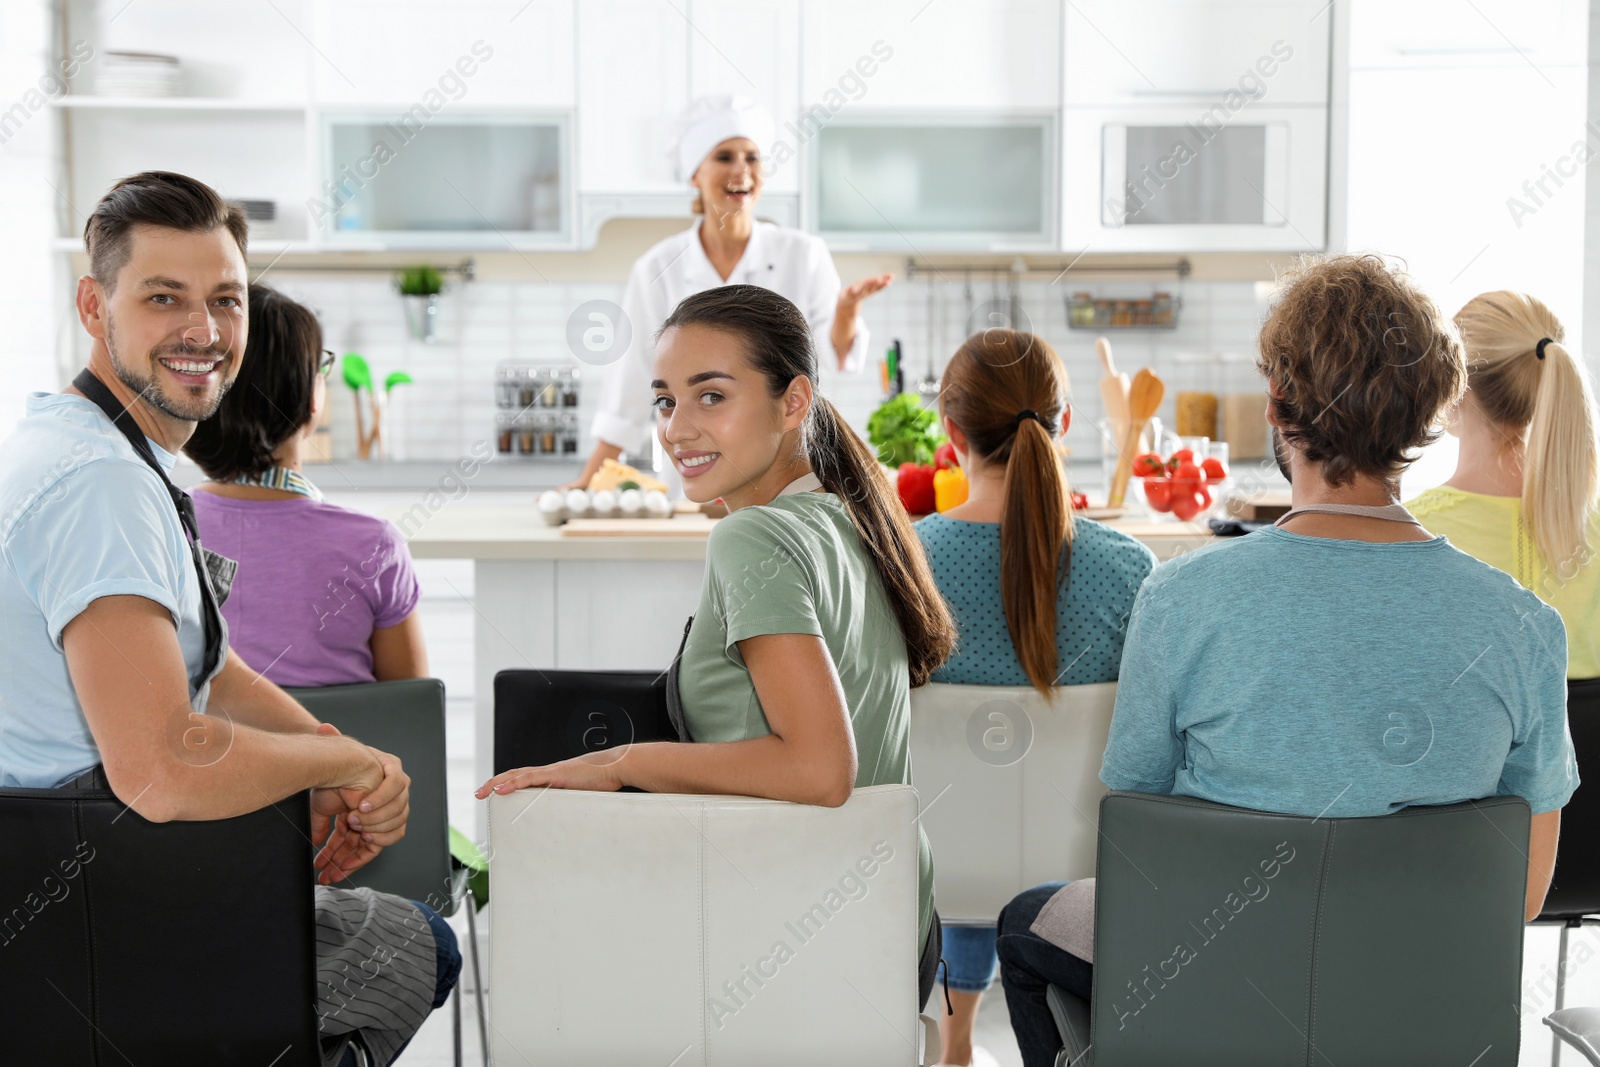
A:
[(712, 119)]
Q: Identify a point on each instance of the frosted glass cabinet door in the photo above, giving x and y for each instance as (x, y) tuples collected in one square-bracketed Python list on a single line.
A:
[(905, 184), (453, 178)]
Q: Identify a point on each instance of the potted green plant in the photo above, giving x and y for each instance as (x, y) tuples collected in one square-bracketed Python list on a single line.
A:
[(420, 287)]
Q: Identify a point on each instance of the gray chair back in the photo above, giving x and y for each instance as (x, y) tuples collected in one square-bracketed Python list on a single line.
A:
[(406, 718), (126, 941), (1234, 937)]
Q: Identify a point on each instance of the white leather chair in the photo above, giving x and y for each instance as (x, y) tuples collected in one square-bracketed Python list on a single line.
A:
[(1011, 787), (638, 928)]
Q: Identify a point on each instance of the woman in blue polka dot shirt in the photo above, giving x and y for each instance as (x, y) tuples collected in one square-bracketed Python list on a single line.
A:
[(1040, 597)]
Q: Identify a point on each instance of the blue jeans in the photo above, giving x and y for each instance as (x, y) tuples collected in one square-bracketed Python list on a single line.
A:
[(969, 958), (1028, 966)]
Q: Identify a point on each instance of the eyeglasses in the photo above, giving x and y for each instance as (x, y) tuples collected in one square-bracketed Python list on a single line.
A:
[(325, 364)]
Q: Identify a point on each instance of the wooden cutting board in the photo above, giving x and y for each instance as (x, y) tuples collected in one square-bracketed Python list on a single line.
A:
[(674, 527)]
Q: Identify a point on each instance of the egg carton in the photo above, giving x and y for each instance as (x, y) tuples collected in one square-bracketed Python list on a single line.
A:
[(556, 507)]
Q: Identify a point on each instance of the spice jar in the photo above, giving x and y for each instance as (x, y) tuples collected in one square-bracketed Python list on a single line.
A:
[(506, 391), (569, 387), (547, 388), (525, 390), (1082, 309), (569, 433), (504, 431), (1161, 309), (547, 433), (525, 438)]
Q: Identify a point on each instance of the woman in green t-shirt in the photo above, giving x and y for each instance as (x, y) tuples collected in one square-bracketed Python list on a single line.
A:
[(819, 613)]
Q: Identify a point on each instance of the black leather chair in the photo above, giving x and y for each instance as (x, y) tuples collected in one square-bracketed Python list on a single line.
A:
[(542, 717), (1574, 897), (126, 941), (407, 718), (1385, 942)]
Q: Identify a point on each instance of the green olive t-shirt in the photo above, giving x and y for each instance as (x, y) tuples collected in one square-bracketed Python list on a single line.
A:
[(797, 566)]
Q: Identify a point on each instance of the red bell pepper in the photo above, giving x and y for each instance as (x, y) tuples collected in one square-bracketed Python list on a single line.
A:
[(915, 484)]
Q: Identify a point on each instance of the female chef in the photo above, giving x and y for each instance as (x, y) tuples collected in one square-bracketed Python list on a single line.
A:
[(719, 149)]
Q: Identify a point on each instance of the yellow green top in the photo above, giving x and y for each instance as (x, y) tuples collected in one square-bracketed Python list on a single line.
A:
[(1490, 528)]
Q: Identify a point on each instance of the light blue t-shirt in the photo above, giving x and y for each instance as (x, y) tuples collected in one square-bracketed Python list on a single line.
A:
[(1104, 571), (81, 517), (1315, 676)]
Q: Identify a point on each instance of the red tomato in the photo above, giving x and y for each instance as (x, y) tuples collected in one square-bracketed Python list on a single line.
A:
[(1181, 456), (1158, 494), (1186, 506), (1205, 496), (1079, 502), (1215, 470), (1187, 478), (1149, 465)]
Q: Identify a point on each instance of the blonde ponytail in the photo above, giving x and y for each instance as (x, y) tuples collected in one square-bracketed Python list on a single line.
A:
[(1558, 469), (1538, 393)]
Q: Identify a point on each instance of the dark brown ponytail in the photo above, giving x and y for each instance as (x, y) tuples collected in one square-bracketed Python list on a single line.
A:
[(993, 378), (778, 344)]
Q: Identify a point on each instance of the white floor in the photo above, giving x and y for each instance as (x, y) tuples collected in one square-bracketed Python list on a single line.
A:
[(448, 622)]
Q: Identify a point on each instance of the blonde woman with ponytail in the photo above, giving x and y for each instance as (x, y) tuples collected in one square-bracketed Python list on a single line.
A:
[(818, 614), (1040, 597), (1523, 497)]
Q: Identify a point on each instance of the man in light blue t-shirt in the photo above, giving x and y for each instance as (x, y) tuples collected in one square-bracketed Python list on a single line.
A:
[(114, 668), (1343, 663)]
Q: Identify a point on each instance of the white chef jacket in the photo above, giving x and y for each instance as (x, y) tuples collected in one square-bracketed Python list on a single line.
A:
[(791, 263)]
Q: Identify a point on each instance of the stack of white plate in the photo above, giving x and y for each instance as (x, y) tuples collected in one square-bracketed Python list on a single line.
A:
[(139, 74), (262, 216)]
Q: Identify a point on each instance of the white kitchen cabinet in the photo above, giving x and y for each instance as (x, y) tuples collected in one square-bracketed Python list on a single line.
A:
[(924, 182), (1453, 34), (1161, 52), (984, 54), (467, 53), (748, 47), (633, 83), (1187, 179)]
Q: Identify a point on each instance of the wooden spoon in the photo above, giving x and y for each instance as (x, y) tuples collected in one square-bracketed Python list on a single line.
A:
[(1144, 397), (1113, 386)]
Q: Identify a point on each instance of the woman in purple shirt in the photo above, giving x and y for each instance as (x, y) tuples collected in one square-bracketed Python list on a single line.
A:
[(324, 595)]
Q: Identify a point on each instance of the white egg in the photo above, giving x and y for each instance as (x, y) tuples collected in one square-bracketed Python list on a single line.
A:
[(604, 502), (656, 503), (549, 501), (631, 501), (577, 501)]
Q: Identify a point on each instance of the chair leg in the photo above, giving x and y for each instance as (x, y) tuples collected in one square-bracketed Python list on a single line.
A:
[(1561, 993), (477, 979), (455, 1006)]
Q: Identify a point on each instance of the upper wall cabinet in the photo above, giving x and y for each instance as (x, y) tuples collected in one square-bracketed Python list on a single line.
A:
[(1161, 52), (469, 53), (1433, 34), (748, 47), (633, 83), (981, 54)]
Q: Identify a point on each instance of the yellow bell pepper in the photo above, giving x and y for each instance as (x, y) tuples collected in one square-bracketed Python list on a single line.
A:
[(949, 488)]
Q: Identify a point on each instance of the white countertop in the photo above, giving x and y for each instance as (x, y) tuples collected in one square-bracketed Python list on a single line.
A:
[(507, 526)]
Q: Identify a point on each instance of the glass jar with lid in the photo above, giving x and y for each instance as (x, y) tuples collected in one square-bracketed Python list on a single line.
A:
[(569, 387), (505, 431), (506, 390), (548, 438), (526, 382), (527, 442), (569, 433)]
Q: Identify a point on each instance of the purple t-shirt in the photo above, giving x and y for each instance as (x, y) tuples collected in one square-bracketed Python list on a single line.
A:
[(314, 581)]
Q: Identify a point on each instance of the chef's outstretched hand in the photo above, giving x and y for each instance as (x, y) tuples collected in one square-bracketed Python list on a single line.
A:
[(850, 296)]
